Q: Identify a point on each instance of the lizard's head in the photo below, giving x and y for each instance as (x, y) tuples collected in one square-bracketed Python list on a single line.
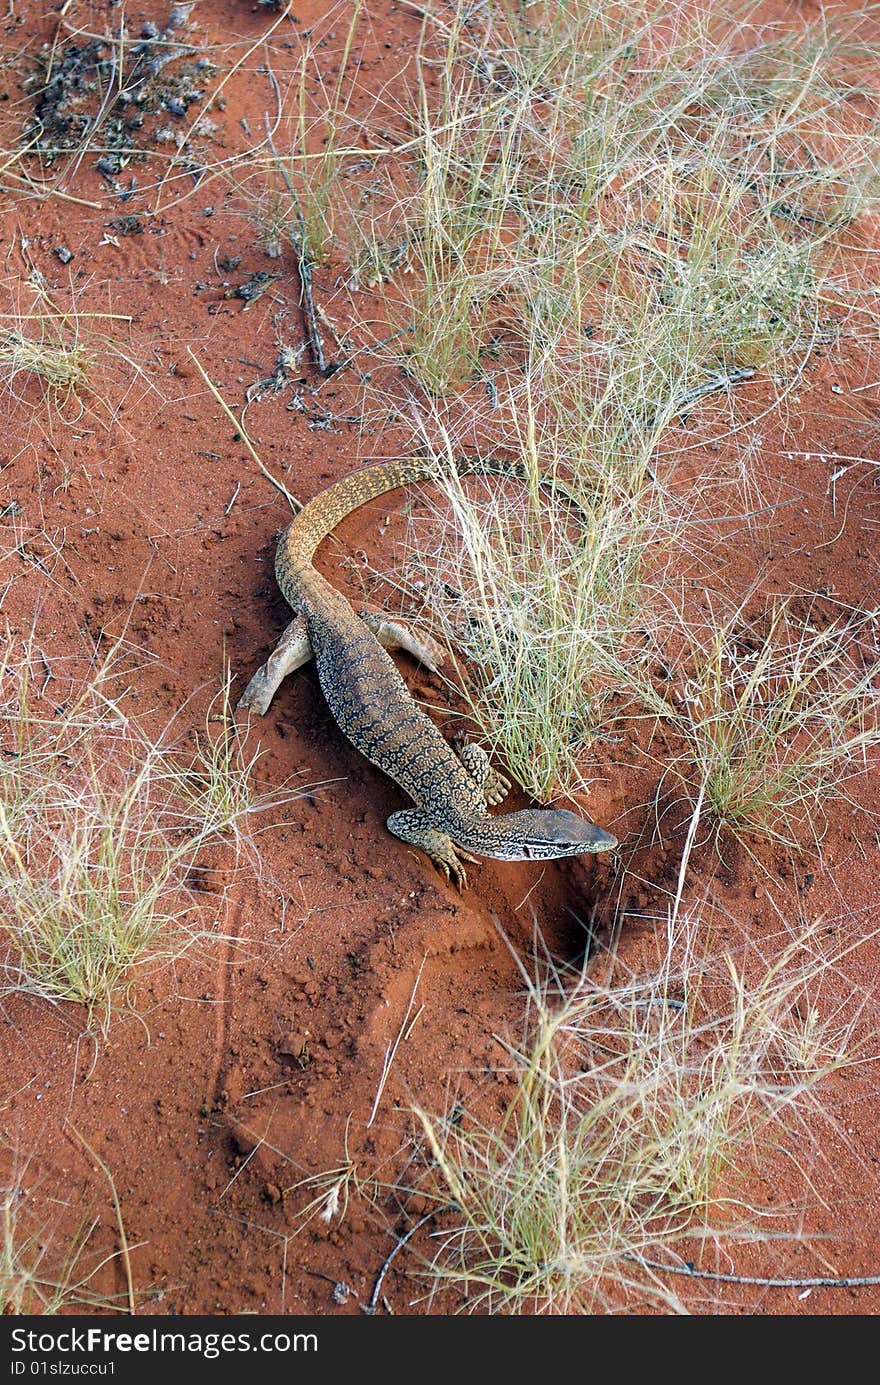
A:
[(539, 834)]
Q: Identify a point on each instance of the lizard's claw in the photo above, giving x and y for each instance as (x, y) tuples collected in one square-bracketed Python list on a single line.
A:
[(413, 826), (496, 787), (451, 865)]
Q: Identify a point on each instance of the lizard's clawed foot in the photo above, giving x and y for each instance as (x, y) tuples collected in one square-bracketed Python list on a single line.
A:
[(411, 825), (496, 787), (452, 865)]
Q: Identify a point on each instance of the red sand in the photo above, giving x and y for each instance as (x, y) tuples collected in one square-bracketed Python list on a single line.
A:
[(260, 1063)]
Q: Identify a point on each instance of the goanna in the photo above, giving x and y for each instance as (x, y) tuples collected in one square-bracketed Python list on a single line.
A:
[(372, 705)]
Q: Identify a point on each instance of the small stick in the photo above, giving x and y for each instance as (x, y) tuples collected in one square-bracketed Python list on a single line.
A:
[(833, 457), (817, 1283), (305, 278), (744, 515), (402, 1034), (686, 853), (48, 672), (304, 265), (234, 495), (861, 461), (722, 381), (279, 485), (370, 1308), (718, 382), (123, 1239)]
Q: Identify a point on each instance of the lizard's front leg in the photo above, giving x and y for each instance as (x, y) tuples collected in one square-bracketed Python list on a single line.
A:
[(412, 826), (292, 651)]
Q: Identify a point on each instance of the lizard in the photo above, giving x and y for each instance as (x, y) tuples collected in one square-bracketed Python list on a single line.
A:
[(451, 788)]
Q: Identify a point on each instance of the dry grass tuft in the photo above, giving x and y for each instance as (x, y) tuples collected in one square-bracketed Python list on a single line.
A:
[(636, 1110)]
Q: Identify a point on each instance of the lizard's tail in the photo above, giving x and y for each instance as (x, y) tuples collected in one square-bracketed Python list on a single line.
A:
[(320, 516), (535, 834)]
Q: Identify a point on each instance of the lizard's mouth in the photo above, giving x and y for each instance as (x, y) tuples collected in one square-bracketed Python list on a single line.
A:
[(599, 839)]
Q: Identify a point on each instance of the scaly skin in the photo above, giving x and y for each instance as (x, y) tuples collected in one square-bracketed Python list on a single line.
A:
[(373, 706)]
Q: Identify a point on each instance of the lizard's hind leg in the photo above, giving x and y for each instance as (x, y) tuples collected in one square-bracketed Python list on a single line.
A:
[(493, 785), (292, 651), (397, 634)]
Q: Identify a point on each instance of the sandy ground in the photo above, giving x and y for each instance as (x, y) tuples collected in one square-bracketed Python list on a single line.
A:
[(260, 1057)]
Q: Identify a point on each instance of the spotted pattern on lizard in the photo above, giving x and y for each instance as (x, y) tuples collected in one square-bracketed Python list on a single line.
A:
[(451, 790)]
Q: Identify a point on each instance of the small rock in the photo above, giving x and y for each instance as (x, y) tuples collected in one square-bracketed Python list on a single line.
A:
[(293, 1045), (63, 254), (130, 225)]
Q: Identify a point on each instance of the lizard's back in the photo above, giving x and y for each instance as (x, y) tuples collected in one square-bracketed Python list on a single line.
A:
[(374, 708)]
